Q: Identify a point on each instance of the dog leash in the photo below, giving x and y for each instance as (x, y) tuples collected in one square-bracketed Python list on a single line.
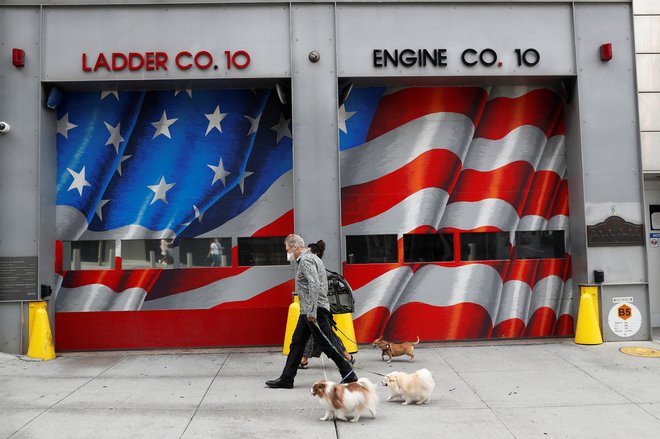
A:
[(334, 325), (335, 349)]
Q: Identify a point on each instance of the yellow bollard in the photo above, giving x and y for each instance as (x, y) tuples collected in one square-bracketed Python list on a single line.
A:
[(291, 323), (41, 339), (33, 307), (588, 328), (346, 331)]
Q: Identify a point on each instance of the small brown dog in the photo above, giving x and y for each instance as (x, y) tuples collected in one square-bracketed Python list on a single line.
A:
[(395, 349)]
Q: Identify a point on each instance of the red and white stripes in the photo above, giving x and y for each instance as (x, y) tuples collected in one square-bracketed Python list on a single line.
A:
[(461, 159)]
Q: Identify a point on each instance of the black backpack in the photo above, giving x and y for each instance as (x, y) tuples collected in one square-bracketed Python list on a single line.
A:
[(340, 294)]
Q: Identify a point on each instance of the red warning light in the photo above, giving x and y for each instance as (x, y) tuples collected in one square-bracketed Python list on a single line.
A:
[(606, 52), (18, 57)]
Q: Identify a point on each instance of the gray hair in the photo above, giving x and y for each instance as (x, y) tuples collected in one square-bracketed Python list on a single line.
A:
[(294, 241)]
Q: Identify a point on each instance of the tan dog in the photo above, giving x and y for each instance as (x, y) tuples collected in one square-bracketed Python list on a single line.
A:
[(415, 387), (395, 349)]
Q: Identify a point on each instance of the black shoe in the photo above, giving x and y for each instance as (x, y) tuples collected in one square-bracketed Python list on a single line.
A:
[(280, 384), (350, 378)]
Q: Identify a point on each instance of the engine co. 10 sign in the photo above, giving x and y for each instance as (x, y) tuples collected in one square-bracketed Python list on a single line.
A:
[(148, 61), (470, 57)]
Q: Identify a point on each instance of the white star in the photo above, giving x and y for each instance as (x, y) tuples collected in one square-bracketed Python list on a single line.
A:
[(188, 90), (163, 126), (254, 124), (241, 182), (198, 215), (343, 116), (63, 126), (160, 190), (106, 93), (121, 160), (282, 128), (99, 207), (79, 181), (219, 173), (115, 135), (214, 119)]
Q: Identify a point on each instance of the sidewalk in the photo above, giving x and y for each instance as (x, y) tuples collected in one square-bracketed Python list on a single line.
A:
[(523, 389)]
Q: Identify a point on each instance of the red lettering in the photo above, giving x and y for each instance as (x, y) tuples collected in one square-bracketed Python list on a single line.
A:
[(161, 59), (101, 62), (150, 61), (201, 54), (240, 53), (228, 56), (132, 56), (177, 60), (84, 63), (118, 56)]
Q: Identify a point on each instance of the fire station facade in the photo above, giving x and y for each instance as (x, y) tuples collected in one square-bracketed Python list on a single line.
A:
[(468, 166)]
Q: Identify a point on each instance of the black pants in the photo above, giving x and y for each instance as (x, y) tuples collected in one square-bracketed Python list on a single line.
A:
[(304, 330)]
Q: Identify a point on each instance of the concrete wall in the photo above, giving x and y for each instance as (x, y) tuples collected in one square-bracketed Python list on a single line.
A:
[(20, 186), (608, 122)]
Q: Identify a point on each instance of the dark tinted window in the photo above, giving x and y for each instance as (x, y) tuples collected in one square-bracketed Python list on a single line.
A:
[(485, 246), (428, 248), (540, 244), (370, 249), (262, 251)]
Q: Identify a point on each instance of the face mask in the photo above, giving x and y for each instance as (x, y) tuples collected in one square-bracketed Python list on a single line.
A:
[(290, 257)]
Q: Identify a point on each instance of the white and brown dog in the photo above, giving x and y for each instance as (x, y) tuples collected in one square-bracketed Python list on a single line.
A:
[(415, 387), (346, 400)]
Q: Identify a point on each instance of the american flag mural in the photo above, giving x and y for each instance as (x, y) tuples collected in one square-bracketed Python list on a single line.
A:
[(218, 163), (172, 165), (456, 160)]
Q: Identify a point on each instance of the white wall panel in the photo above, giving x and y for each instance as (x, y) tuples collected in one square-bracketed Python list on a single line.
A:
[(646, 6), (362, 28), (648, 72), (651, 151), (262, 31), (647, 34), (649, 111)]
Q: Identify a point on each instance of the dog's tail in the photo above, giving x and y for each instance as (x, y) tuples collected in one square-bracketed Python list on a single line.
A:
[(417, 340), (372, 398), (425, 378), (364, 382)]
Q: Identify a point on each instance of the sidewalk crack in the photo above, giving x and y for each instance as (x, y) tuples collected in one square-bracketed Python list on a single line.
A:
[(204, 396), (69, 394)]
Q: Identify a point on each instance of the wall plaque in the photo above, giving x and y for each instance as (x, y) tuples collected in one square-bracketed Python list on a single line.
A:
[(18, 278), (615, 231)]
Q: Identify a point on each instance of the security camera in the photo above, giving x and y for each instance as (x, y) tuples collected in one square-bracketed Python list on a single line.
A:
[(4, 127)]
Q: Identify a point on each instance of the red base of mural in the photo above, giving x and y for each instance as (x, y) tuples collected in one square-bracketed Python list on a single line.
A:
[(463, 321), (169, 329), (511, 328), (457, 322)]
